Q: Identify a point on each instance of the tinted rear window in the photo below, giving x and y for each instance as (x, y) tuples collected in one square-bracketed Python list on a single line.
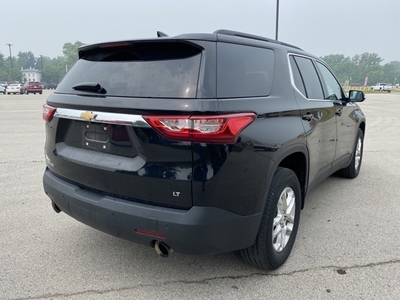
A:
[(244, 71), (154, 70)]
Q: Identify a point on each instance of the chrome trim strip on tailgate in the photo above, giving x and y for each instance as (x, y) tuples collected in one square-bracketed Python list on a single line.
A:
[(101, 117)]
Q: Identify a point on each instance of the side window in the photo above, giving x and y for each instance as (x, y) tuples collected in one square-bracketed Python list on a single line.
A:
[(244, 71), (310, 78), (298, 81), (332, 86)]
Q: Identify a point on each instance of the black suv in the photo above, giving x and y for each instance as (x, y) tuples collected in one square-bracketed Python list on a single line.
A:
[(200, 143)]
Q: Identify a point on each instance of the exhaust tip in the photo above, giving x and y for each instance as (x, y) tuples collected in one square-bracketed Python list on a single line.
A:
[(55, 207), (162, 249)]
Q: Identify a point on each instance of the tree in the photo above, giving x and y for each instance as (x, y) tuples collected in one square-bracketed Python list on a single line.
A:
[(367, 65), (26, 60), (341, 66), (70, 52), (357, 68), (392, 72), (53, 69), (3, 68), (17, 74)]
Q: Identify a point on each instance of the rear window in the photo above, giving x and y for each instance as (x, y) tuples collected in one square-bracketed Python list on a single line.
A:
[(153, 70), (244, 71)]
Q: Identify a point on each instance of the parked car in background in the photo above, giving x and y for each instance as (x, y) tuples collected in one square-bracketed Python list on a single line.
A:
[(3, 85), (13, 88), (199, 143), (51, 86), (23, 88), (33, 87), (382, 87), (43, 84)]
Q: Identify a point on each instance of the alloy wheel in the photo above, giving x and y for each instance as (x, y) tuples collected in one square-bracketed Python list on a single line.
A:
[(284, 220), (357, 160)]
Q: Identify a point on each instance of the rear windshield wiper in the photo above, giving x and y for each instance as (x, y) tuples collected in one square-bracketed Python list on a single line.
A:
[(92, 87)]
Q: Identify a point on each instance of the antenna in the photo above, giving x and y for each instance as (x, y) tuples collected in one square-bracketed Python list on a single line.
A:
[(161, 34)]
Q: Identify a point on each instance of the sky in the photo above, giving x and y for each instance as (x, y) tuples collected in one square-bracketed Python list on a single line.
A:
[(321, 27)]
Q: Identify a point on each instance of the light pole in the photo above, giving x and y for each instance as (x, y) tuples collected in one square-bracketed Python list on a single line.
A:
[(12, 73), (277, 19)]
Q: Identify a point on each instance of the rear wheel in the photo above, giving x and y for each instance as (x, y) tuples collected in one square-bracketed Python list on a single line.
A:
[(353, 169), (280, 221)]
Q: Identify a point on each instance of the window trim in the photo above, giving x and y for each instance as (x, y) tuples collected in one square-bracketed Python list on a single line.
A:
[(292, 77), (313, 60)]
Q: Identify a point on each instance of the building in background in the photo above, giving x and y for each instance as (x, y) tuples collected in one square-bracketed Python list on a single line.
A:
[(31, 75)]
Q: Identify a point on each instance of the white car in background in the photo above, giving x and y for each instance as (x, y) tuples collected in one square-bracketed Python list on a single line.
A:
[(14, 88), (382, 87), (2, 89)]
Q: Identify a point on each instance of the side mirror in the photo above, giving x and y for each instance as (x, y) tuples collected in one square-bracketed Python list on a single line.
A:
[(356, 96)]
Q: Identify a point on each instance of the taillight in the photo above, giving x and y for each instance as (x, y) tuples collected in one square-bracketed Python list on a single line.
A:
[(224, 129), (48, 112)]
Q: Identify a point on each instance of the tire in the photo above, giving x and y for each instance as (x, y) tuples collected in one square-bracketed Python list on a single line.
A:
[(269, 250), (353, 169)]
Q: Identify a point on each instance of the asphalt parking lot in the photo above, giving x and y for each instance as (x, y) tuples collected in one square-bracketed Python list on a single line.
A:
[(348, 245)]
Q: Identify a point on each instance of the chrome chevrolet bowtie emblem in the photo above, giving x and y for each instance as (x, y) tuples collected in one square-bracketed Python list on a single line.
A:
[(88, 116)]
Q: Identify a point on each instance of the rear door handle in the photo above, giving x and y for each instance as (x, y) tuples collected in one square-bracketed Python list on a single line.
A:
[(308, 117)]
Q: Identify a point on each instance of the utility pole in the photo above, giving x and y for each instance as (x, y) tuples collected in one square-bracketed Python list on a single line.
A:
[(277, 19), (12, 73)]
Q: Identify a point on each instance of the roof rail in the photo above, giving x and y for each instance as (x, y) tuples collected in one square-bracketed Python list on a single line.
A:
[(253, 37)]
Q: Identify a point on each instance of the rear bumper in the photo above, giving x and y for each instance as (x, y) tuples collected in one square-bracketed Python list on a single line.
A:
[(199, 230)]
